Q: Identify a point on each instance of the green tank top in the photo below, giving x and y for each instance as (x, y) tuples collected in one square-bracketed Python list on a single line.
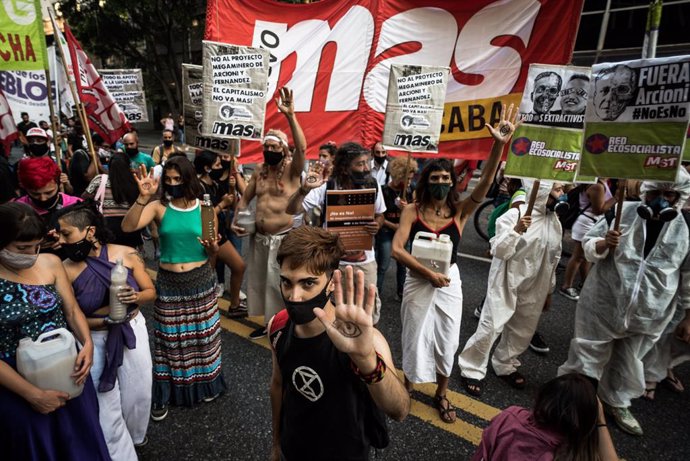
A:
[(178, 235)]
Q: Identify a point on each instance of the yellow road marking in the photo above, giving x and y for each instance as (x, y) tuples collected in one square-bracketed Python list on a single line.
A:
[(426, 413)]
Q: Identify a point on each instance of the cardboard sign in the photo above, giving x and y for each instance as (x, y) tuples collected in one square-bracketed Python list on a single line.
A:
[(127, 87)]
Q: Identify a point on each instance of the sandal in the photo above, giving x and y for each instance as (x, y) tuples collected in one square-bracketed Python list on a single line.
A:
[(445, 411), (650, 391), (515, 379), (673, 383), (472, 386), (235, 312)]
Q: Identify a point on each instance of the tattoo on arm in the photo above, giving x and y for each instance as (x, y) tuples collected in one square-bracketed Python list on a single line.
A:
[(347, 329), (138, 255)]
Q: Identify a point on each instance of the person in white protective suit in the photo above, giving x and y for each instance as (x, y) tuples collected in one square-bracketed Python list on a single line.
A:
[(628, 299), (525, 253)]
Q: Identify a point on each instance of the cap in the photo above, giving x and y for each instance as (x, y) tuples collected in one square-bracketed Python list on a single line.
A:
[(37, 132)]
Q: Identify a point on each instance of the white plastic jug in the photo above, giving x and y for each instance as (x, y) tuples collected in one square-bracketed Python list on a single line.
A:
[(432, 251), (246, 220), (48, 362)]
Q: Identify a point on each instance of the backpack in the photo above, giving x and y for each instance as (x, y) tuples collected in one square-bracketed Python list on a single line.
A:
[(574, 210), (375, 425)]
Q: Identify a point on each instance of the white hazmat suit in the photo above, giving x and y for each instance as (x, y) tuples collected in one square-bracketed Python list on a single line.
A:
[(522, 275), (628, 300)]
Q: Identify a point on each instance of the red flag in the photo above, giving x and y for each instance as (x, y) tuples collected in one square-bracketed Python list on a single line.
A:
[(8, 128), (105, 116)]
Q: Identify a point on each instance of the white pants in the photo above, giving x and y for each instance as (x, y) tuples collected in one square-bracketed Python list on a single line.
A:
[(263, 276), (430, 326), (124, 410), (513, 319)]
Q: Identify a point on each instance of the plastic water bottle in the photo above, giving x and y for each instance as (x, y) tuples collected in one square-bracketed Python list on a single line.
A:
[(118, 280), (208, 223), (48, 362)]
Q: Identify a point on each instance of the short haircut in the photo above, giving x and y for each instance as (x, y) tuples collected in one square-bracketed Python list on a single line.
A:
[(312, 247), (616, 68), (330, 148), (85, 214), (578, 77), (20, 223), (36, 172), (549, 74), (167, 131), (24, 113), (398, 165)]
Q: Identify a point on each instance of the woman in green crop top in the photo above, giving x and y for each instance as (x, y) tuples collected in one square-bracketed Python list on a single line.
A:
[(189, 371)]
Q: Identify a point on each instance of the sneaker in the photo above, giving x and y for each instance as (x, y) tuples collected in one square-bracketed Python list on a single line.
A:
[(625, 419), (143, 443), (243, 296), (159, 412), (258, 333), (571, 293), (236, 312), (538, 344), (210, 399), (220, 289)]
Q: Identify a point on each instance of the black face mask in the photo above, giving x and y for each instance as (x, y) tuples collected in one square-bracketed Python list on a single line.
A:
[(359, 178), (77, 251), (38, 150), (48, 203), (168, 142), (132, 151), (272, 158), (302, 312), (216, 174), (176, 191), (379, 160), (226, 164)]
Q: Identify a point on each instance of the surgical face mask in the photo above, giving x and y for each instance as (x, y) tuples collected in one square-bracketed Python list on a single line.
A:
[(272, 158), (359, 178), (302, 312), (46, 204), (659, 207), (17, 261), (559, 205), (132, 151), (176, 191), (379, 160), (77, 251), (439, 191), (216, 174), (38, 150), (167, 142)]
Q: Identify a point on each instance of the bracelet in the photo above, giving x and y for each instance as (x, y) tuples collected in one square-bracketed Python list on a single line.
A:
[(475, 201), (375, 376), (602, 425)]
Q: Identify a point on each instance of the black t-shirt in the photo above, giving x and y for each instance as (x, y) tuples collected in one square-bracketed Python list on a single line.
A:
[(77, 171), (392, 212), (24, 127), (323, 408)]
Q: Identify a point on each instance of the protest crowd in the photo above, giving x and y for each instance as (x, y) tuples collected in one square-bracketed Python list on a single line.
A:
[(94, 228)]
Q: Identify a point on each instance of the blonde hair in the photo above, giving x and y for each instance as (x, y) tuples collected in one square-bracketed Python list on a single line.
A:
[(397, 167)]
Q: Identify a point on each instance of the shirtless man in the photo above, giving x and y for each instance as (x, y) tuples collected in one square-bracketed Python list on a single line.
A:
[(275, 181)]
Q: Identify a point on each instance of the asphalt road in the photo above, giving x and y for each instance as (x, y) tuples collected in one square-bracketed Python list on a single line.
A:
[(237, 425)]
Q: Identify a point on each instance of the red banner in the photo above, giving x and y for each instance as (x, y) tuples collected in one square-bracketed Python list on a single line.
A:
[(105, 116), (8, 128), (336, 56)]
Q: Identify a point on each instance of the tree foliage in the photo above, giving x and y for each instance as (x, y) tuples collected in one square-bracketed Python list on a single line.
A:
[(154, 35)]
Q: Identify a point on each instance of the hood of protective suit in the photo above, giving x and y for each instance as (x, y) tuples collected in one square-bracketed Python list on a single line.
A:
[(542, 195), (682, 186)]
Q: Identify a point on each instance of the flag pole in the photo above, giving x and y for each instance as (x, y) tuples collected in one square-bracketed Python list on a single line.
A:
[(75, 95), (53, 124)]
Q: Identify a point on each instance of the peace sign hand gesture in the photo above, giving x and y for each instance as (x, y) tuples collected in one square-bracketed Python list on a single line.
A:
[(147, 184), (352, 331), (507, 126)]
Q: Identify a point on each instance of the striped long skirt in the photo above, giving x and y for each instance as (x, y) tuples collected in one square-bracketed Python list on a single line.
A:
[(187, 356)]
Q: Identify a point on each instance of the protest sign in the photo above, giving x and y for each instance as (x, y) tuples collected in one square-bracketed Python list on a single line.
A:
[(637, 119), (192, 98), (336, 57), (127, 87), (414, 109), (235, 85), (547, 144), (26, 91), (347, 213), (22, 42)]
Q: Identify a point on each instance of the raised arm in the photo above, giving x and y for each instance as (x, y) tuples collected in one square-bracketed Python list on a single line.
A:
[(142, 212), (286, 105), (501, 134), (314, 180)]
